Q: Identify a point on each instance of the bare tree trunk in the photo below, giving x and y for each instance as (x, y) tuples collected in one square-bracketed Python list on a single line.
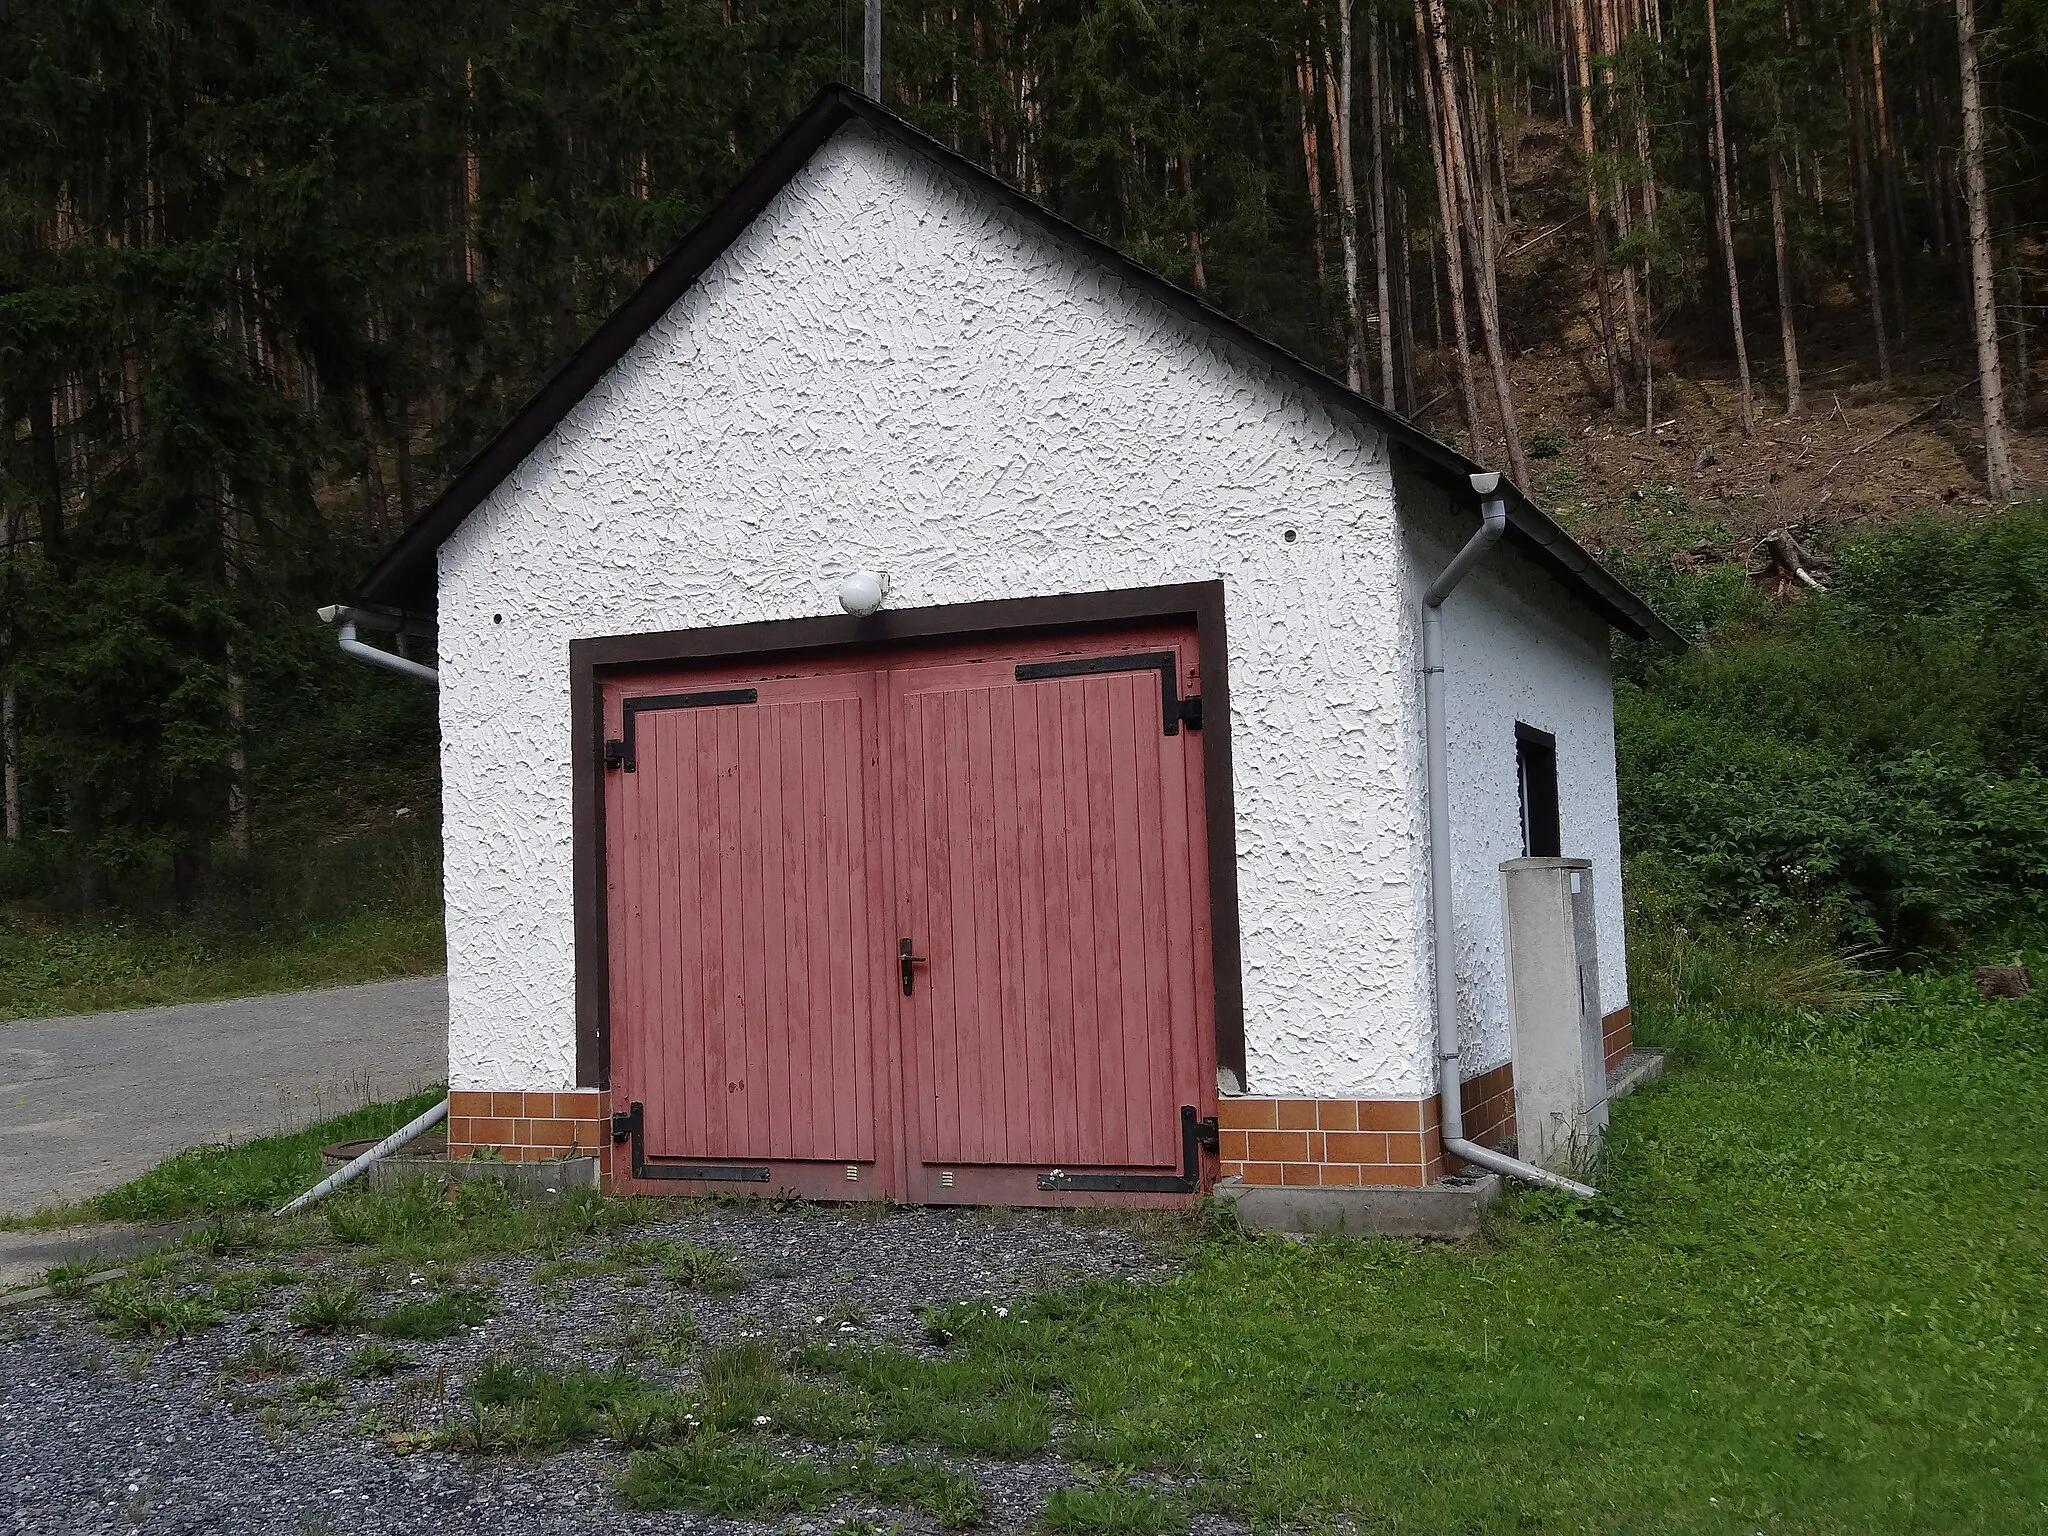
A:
[(1347, 204), (374, 502), (1477, 239), (1788, 335), (1617, 394), (401, 452), (1446, 201), (81, 792), (1649, 172), (238, 759), (1375, 107), (231, 667), (1312, 159), (1724, 224), (2022, 365), (1888, 172), (10, 736), (10, 760), (472, 176), (1187, 192), (1405, 353), (1615, 27), (1998, 471), (1866, 214)]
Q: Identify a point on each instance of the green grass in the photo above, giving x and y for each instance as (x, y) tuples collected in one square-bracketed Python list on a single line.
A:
[(437, 1317), (220, 1181), (985, 1404), (422, 1221), (378, 1359), (713, 1474), (1809, 1300), (66, 970), (135, 1309), (1112, 1507), (329, 1309)]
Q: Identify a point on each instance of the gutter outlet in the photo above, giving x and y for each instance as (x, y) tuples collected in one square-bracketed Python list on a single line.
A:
[(1493, 512), (362, 650)]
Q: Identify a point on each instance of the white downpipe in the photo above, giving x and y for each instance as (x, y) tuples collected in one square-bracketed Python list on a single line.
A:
[(362, 650), (1493, 512), (355, 1166)]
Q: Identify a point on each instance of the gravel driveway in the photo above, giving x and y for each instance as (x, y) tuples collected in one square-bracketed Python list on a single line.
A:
[(105, 1436), (91, 1101)]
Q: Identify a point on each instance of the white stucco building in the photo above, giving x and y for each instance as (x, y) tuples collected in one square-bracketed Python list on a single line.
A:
[(946, 901)]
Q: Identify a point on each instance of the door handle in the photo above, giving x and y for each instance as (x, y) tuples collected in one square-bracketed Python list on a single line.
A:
[(909, 962)]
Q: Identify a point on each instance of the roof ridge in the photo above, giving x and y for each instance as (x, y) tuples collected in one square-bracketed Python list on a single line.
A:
[(404, 575)]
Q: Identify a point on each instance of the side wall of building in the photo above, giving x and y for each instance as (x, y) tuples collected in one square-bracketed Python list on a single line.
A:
[(885, 371), (1517, 649)]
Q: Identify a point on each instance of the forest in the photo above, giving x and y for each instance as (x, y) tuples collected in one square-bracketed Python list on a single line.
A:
[(269, 273)]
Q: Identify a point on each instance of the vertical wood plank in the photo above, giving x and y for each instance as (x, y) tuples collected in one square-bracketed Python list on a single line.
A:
[(1010, 1132), (1034, 1105), (1129, 1027)]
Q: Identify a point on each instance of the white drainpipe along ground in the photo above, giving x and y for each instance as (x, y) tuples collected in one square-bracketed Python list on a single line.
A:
[(1493, 511)]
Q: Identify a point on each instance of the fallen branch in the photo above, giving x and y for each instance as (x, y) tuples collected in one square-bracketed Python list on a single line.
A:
[(1535, 240), (1428, 405), (1922, 414)]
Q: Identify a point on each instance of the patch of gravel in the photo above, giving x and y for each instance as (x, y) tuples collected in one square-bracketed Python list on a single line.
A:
[(98, 1436)]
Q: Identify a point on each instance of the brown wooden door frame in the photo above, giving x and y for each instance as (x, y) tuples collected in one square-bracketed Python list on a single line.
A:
[(593, 661)]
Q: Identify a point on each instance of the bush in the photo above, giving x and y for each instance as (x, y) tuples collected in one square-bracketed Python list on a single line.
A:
[(1870, 765)]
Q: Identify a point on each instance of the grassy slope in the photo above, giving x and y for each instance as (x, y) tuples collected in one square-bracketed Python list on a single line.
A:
[(87, 969)]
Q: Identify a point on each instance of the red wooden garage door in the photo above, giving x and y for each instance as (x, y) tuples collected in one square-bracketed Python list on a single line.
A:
[(1028, 819)]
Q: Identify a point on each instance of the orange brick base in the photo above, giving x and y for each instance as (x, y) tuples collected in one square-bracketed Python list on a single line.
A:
[(531, 1127), (1264, 1141), (1617, 1036), (1358, 1141)]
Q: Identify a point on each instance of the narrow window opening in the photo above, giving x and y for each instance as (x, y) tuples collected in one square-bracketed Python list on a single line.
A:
[(1536, 780)]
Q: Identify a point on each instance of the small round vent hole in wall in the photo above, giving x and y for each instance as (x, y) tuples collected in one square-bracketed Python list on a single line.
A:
[(1289, 535), (497, 618)]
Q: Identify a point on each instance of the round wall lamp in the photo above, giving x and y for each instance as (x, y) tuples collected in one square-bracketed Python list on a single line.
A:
[(861, 593)]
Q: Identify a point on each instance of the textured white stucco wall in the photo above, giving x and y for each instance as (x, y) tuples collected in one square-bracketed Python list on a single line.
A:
[(886, 371), (1516, 648)]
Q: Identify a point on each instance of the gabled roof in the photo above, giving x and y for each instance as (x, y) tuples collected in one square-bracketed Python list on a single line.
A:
[(405, 576)]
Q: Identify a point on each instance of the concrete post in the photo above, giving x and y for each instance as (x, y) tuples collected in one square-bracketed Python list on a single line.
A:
[(1554, 1012)]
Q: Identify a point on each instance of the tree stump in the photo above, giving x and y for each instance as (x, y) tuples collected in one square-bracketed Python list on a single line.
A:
[(2003, 981)]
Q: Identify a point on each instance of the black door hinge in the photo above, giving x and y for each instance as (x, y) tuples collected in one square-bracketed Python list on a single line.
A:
[(1195, 1134), (1174, 711), (628, 755), (632, 1126)]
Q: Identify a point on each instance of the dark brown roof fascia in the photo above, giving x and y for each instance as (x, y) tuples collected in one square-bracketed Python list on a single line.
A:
[(405, 574)]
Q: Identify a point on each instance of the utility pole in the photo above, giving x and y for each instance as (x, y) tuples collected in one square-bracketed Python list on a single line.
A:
[(871, 52)]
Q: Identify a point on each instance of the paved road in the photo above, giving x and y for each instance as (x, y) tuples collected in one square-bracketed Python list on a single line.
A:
[(89, 1102)]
